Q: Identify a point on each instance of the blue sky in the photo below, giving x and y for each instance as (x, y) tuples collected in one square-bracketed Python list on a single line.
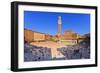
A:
[(47, 22)]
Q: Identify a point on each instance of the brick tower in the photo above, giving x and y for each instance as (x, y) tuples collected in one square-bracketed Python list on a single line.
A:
[(59, 25)]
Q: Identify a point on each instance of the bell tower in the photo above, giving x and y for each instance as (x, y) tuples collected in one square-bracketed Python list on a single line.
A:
[(59, 25)]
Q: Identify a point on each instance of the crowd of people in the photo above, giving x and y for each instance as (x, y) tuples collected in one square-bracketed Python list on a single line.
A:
[(34, 53), (79, 51)]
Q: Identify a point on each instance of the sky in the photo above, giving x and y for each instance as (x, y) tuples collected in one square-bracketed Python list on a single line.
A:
[(47, 22)]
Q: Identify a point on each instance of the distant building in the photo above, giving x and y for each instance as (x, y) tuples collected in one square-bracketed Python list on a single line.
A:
[(68, 38), (31, 36)]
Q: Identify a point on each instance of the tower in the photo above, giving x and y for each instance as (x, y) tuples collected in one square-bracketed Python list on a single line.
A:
[(59, 25)]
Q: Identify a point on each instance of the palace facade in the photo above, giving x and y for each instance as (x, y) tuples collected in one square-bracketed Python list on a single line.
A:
[(31, 36)]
